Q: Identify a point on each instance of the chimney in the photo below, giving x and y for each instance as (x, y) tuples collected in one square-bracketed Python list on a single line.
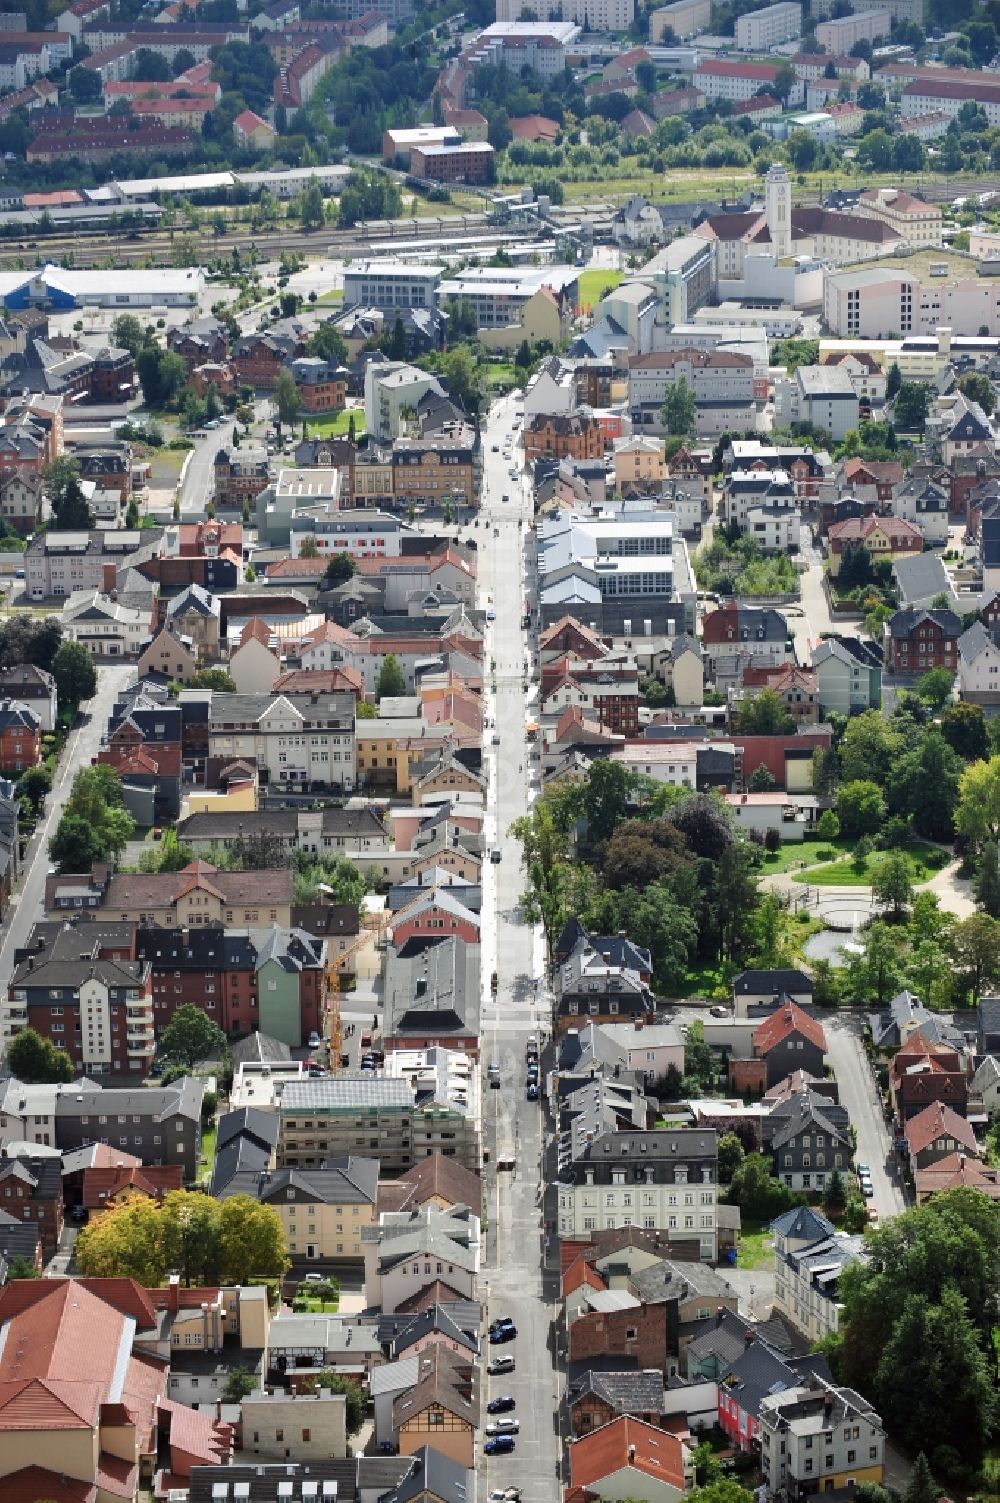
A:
[(719, 1314), (637, 1022), (827, 1405), (631, 1455)]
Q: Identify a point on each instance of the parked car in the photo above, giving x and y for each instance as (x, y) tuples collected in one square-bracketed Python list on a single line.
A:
[(503, 1427), (532, 1092), (502, 1334), (502, 1404), (500, 1365), (314, 1040), (499, 1445)]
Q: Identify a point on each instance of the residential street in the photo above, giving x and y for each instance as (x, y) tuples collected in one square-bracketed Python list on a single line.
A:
[(858, 1095), (82, 745), (511, 1278)]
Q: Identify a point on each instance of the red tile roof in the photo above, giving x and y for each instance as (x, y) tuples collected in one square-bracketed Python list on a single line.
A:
[(627, 1442), (115, 1476), (581, 1272), (32, 1483), (196, 1439), (102, 1186), (956, 1171), (937, 1121), (859, 529), (59, 1356), (125, 1295), (782, 1023), (721, 68)]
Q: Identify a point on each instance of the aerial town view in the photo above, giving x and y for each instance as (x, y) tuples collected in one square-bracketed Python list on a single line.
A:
[(499, 751)]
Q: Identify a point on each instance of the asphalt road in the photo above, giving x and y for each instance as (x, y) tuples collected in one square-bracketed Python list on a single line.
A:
[(511, 1281), (857, 1093), (27, 906)]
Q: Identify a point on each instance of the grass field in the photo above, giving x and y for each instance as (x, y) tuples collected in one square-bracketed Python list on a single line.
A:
[(795, 853), (337, 424), (844, 873), (708, 980), (593, 283), (305, 1304), (334, 295), (165, 465), (756, 1246), (207, 1157)]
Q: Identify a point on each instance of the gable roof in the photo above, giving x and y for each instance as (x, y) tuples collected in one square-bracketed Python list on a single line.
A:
[(782, 1023), (937, 1121), (628, 1443)]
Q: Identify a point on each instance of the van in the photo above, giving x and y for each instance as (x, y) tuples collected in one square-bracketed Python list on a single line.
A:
[(505, 1166)]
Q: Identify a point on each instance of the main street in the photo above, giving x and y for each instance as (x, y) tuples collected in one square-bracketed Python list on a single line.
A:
[(27, 905), (511, 1279)]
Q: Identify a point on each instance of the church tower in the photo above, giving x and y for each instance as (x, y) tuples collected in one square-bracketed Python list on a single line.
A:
[(778, 209)]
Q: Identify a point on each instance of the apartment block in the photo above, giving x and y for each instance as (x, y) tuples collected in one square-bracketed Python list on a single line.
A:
[(464, 162), (760, 30), (59, 563), (864, 26), (661, 1180), (397, 145), (592, 15), (67, 987), (368, 1115), (683, 18), (303, 741)]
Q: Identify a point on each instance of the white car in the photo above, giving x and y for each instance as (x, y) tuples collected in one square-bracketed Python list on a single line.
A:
[(503, 1427)]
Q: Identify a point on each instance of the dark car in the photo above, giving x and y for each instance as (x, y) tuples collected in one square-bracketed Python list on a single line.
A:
[(500, 1405), (532, 1092), (500, 1334), (499, 1445), (501, 1320)]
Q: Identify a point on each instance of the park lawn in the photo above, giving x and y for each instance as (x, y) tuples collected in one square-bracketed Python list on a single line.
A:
[(332, 295), (796, 853), (502, 375), (755, 1248), (337, 424), (845, 874), (593, 282)]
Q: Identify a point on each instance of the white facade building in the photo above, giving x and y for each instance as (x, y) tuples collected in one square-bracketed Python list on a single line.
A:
[(760, 30), (391, 284)]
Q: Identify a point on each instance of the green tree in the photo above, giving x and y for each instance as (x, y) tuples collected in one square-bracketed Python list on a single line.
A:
[(251, 1241), (162, 375), (340, 569), (921, 1487), (978, 387), (756, 1191), (309, 548), (70, 512), (986, 884), (461, 375), (608, 787), (761, 779), (238, 1384), (34, 784), (85, 85), (976, 943), (125, 1242), (678, 411), (127, 333), (390, 683), (963, 726), (724, 1490), (328, 344), (923, 786), (21, 1267), (935, 687), (354, 1409), (860, 808), (36, 1060), (978, 814), (910, 407), (189, 1228), (699, 1064), (828, 825), (894, 380), (835, 1194), (731, 1156), (545, 849), (312, 209), (287, 399), (764, 714), (213, 678), (75, 675), (869, 748), (190, 1037)]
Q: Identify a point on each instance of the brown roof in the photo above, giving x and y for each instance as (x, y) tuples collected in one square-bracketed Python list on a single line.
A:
[(782, 1023), (937, 1121), (320, 681), (446, 1380), (162, 889), (438, 1292), (957, 1171), (534, 128), (436, 1176), (101, 1186), (59, 1358), (32, 1483), (627, 1442)]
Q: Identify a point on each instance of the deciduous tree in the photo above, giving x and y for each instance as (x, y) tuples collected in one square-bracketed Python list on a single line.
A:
[(75, 675), (36, 1060), (190, 1037)]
